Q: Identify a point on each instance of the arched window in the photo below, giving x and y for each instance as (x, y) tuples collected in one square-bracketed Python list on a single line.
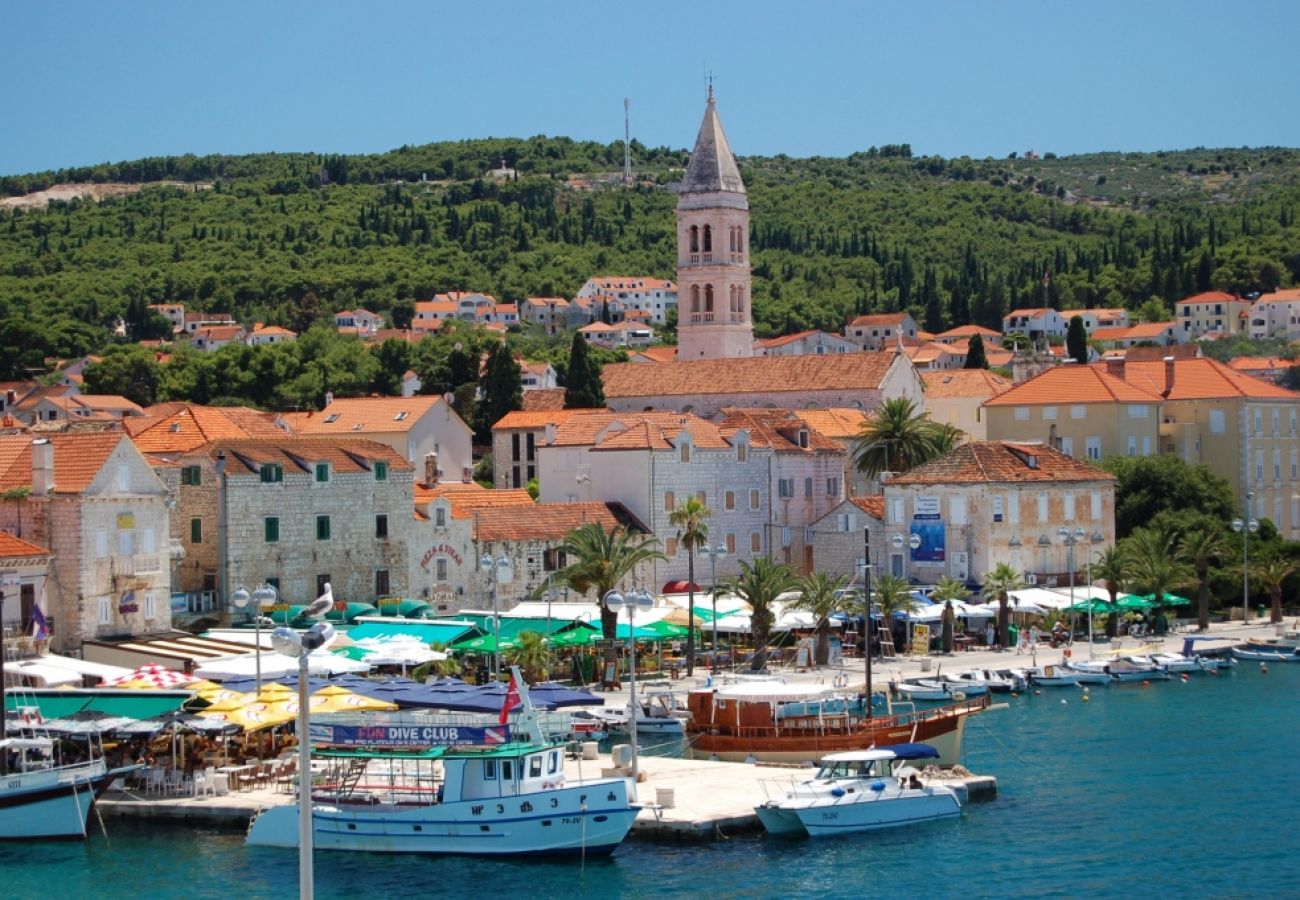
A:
[(708, 239), (695, 239), (732, 234), (695, 298), (734, 298), (708, 298)]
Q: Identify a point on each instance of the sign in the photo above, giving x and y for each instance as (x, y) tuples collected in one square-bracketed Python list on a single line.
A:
[(409, 735), (440, 550), (925, 507), (125, 521), (927, 542), (921, 639), (385, 602), (127, 604)]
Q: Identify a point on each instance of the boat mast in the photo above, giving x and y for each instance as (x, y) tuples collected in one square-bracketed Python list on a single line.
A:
[(527, 720)]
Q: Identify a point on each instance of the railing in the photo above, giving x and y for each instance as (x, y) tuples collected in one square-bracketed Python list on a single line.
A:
[(137, 564)]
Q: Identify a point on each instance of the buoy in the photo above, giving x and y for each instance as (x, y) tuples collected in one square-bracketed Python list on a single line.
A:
[(1086, 698), (1038, 693), (1146, 683), (1214, 672), (1063, 702), (1263, 668), (1184, 678)]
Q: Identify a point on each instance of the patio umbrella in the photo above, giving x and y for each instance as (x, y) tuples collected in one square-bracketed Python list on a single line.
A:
[(1088, 606), (153, 676), (1166, 600), (337, 699)]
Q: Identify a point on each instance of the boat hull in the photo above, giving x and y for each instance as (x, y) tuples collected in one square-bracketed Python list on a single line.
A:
[(779, 821), (869, 812), (50, 805), (1267, 655), (583, 818)]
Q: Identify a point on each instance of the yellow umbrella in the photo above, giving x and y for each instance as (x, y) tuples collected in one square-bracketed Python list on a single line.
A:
[(681, 617), (274, 692), (218, 694), (337, 699)]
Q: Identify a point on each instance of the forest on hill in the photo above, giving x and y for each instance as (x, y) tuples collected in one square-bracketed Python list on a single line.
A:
[(287, 239)]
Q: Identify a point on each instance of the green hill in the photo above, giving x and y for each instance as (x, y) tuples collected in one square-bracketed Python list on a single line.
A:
[(288, 238)]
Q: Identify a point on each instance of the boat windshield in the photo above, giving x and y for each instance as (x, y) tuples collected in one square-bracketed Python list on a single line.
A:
[(847, 769)]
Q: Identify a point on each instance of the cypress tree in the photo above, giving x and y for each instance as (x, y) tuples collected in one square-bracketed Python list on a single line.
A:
[(975, 358), (1076, 341), (503, 391), (583, 388)]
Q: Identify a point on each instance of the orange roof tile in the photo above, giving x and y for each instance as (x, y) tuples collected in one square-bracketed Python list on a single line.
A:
[(837, 422), (545, 400), (1028, 313), (979, 462), (548, 521), (894, 318), (467, 499), (1073, 384), (1209, 297), (1260, 363), (964, 383), (367, 415), (778, 429), (749, 375), (658, 354), (78, 458), (194, 425), (14, 547), (785, 339), (1289, 295), (967, 331), (532, 419), (872, 504), (593, 425), (1203, 379), (245, 457)]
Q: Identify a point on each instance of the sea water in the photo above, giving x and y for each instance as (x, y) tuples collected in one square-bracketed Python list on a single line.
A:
[(1177, 789)]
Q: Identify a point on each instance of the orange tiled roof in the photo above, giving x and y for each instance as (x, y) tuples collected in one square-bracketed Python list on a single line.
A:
[(871, 504), (980, 462), (467, 499), (1203, 379), (629, 283), (544, 400), (13, 547), (193, 426), (591, 426), (1137, 332), (837, 422), (967, 331), (245, 457), (785, 339), (1028, 313), (548, 521), (1073, 384), (1260, 363), (366, 415), (219, 332), (778, 429), (640, 436), (557, 302), (964, 383), (1289, 295), (435, 306), (532, 419), (894, 318), (750, 375), (658, 354), (1209, 297), (78, 458)]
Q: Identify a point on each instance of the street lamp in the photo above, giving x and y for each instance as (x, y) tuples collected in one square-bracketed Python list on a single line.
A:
[(499, 571), (263, 595), (1070, 538), (633, 600), (1246, 529), (299, 646), (714, 554)]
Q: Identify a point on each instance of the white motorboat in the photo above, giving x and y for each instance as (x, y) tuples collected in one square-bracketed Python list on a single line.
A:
[(1258, 652), (1055, 676), (996, 682), (1128, 669), (1090, 671), (859, 790), (660, 712), (1174, 663), (41, 798), (938, 688)]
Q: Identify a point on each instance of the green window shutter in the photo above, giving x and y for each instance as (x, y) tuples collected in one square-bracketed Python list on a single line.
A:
[(196, 531), (322, 472), (322, 528), (271, 529), (381, 471)]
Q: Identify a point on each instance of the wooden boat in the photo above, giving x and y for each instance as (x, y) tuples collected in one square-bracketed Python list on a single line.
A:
[(749, 722), (43, 799)]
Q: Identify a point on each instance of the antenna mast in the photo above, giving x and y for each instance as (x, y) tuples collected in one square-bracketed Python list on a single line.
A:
[(627, 144)]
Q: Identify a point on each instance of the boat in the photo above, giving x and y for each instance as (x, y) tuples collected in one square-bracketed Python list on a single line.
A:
[(1090, 671), (938, 688), (997, 682), (1130, 669), (401, 785), (859, 790), (1210, 652), (1055, 676), (1174, 663), (756, 722), (659, 712), (1267, 653)]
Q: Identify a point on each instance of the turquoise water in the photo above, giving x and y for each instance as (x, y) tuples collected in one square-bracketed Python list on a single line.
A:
[(1176, 789)]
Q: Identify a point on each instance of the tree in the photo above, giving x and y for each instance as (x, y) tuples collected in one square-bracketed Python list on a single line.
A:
[(502, 391), (1076, 341), (947, 591), (1269, 570), (759, 584), (896, 437), (1111, 569), (1147, 485), (402, 313), (583, 388), (533, 655), (600, 561), (975, 356), (395, 358), (1002, 581), (891, 594), (131, 372), (1200, 547), (1155, 565), (823, 596), (692, 532)]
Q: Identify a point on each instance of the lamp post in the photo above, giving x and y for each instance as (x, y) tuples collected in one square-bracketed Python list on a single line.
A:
[(263, 595), (1070, 539), (633, 600), (866, 621), (1246, 529), (714, 554), (499, 571), (292, 644)]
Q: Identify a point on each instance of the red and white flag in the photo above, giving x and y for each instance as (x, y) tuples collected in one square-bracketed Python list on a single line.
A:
[(512, 700)]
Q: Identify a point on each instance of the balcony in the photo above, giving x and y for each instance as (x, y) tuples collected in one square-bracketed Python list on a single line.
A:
[(136, 564)]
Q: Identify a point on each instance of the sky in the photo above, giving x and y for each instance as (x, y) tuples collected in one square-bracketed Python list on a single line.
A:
[(89, 82)]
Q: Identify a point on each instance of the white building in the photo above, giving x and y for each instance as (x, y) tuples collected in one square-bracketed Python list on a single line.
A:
[(653, 297)]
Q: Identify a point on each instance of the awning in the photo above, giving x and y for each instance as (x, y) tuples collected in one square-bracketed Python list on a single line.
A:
[(427, 631), (122, 704), (42, 675)]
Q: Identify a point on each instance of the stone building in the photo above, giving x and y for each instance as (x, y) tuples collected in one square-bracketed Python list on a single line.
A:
[(93, 500), (24, 573), (956, 398)]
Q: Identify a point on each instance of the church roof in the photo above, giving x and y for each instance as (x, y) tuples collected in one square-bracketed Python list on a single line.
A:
[(712, 167)]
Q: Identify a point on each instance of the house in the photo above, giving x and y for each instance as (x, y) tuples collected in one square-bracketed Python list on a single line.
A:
[(937, 357), (194, 321), (515, 439), (622, 334), (1035, 323), (988, 502), (843, 426), (24, 574), (540, 400), (962, 334), (413, 426), (957, 398), (14, 392), (880, 331), (53, 406), (94, 501), (538, 376), (171, 429), (805, 343), (551, 313), (430, 314), (845, 535), (1269, 368), (1276, 315), (268, 334), (358, 321), (1211, 312), (210, 338), (172, 312), (705, 386), (1161, 334), (295, 513), (1093, 319), (653, 296)]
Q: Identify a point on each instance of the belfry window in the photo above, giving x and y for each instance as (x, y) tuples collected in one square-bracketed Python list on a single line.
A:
[(708, 238), (695, 239), (708, 297)]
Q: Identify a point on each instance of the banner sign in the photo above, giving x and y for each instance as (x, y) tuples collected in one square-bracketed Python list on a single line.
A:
[(927, 525), (409, 735)]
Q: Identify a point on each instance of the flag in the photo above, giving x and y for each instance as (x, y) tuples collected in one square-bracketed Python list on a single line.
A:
[(40, 630), (511, 701)]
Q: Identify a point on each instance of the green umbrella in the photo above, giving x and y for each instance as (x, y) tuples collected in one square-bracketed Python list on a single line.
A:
[(1092, 606), (1167, 600), (1134, 602), (575, 637), (484, 643)]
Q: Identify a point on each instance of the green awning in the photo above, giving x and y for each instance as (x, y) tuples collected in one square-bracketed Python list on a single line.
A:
[(1134, 602), (484, 643), (58, 706), (128, 704), (643, 633), (431, 632)]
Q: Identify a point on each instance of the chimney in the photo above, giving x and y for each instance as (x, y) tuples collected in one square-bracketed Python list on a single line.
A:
[(430, 469), (1115, 367), (11, 398), (329, 397), (550, 433), (42, 468), (1169, 377)]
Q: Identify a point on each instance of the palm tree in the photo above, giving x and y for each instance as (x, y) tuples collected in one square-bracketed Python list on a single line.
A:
[(693, 532), (533, 655), (1155, 565), (438, 667), (1001, 581), (823, 596), (1270, 569), (890, 594), (601, 560), (759, 584), (947, 591), (1200, 547), (1112, 569), (898, 436)]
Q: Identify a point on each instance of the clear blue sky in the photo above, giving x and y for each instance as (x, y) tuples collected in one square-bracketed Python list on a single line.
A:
[(88, 82)]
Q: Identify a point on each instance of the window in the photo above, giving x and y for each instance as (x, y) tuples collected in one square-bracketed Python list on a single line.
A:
[(729, 499), (381, 583), (1293, 421), (196, 531), (846, 522), (271, 529), (126, 543), (150, 607), (895, 510), (321, 580), (1146, 445), (685, 451), (105, 611), (440, 568), (1217, 425), (670, 546), (1022, 413), (553, 560), (742, 449), (1068, 497), (1013, 509), (191, 475), (785, 536), (755, 500), (785, 487), (832, 487), (997, 508), (1138, 411), (1067, 446), (124, 478), (1132, 445), (322, 528), (1042, 507), (271, 473), (1277, 465), (1293, 465), (1078, 411), (1277, 420), (702, 497), (1049, 412), (1092, 447), (1259, 421), (381, 527), (1096, 505), (381, 471), (755, 542), (957, 508), (1259, 465), (440, 516), (807, 487), (101, 544), (322, 472), (670, 501), (731, 543)]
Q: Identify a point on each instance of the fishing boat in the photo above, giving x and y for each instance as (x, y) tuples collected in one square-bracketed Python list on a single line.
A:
[(996, 682), (658, 712), (1174, 663), (1055, 676), (399, 786), (859, 790), (938, 688), (1129, 669), (1090, 671), (758, 722), (1267, 653)]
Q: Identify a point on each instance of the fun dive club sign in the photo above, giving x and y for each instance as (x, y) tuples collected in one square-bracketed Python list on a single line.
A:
[(409, 735)]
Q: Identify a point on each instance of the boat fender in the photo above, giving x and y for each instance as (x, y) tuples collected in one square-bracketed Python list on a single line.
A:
[(841, 680), (1066, 652), (837, 792), (877, 785)]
